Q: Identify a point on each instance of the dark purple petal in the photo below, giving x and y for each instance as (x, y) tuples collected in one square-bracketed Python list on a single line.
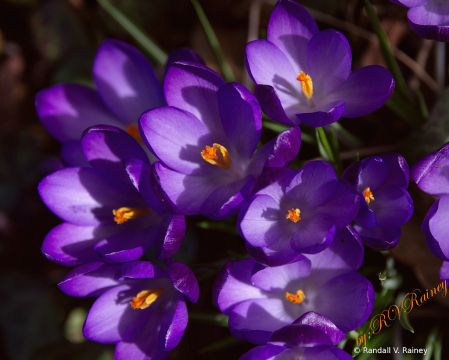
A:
[(139, 173), (431, 173), (365, 90), (313, 234), (393, 207), (72, 154), (193, 88), (272, 106), (301, 336), (320, 322), (365, 217), (183, 54), (290, 28), (241, 117), (435, 228), (140, 270), (183, 280), (267, 352), (233, 204), (352, 301), (177, 138), (410, 3), (173, 325), (85, 196), (430, 20), (70, 245), (330, 114), (280, 253), (171, 236), (126, 81), (268, 176), (398, 170), (105, 147), (66, 110), (373, 175), (91, 279), (328, 60), (379, 238)]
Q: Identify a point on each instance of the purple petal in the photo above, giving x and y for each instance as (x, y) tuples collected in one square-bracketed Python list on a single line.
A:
[(105, 147), (140, 270), (172, 235), (267, 352), (444, 271), (183, 280), (139, 173), (183, 54), (85, 196), (373, 175), (398, 170), (365, 217), (241, 117), (328, 59), (272, 106), (91, 279), (301, 336), (173, 325), (72, 154), (393, 207), (193, 88), (436, 234), (268, 176), (331, 112), (177, 138), (365, 90), (410, 3), (352, 301), (379, 238), (280, 253), (314, 234), (431, 173), (126, 81), (234, 203), (290, 29), (66, 110), (430, 20), (70, 245)]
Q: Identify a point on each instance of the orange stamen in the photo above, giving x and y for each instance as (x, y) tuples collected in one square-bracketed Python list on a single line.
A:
[(295, 299), (133, 130), (145, 298), (368, 195), (125, 213), (306, 84), (293, 215), (217, 155)]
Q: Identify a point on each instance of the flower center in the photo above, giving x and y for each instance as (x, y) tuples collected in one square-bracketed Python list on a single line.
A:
[(306, 84), (368, 195), (217, 155), (293, 215), (295, 298), (133, 130), (125, 213), (145, 298)]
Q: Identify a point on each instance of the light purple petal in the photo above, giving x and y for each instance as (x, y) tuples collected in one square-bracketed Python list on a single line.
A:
[(177, 138), (330, 113), (430, 20), (193, 88), (328, 59), (300, 336), (444, 271), (171, 236), (393, 207), (85, 196), (268, 352), (70, 245), (365, 90), (173, 324), (91, 279), (290, 28), (126, 81), (313, 234), (241, 117), (320, 322), (67, 110), (140, 270), (183, 280), (410, 3), (438, 227)]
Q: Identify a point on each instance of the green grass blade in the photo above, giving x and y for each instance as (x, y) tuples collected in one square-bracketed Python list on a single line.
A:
[(209, 318), (221, 345), (154, 51), (324, 146), (278, 128), (346, 137), (213, 41), (333, 141)]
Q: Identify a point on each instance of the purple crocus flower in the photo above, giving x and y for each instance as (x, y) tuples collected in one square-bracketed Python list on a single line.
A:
[(260, 300), (140, 306), (206, 140), (428, 18), (431, 174), (310, 337), (110, 212), (298, 213), (304, 76), (385, 204)]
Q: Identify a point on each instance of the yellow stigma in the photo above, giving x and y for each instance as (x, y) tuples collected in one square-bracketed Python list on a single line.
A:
[(368, 195), (125, 213), (133, 130), (217, 155), (295, 299), (306, 84), (293, 215), (145, 298)]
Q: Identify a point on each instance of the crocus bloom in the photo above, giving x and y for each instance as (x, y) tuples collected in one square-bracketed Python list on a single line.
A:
[(140, 306), (304, 76), (310, 337), (428, 18), (260, 300), (385, 204), (431, 176), (110, 212), (206, 140), (299, 213)]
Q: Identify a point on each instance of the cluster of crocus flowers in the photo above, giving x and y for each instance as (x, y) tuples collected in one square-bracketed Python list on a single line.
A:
[(300, 291)]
